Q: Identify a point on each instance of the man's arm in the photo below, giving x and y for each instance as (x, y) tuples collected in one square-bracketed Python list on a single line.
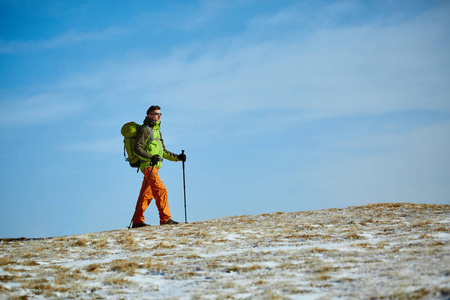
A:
[(141, 137), (167, 154)]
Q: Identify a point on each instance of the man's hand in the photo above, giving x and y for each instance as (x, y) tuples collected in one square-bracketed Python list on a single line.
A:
[(182, 157), (155, 159)]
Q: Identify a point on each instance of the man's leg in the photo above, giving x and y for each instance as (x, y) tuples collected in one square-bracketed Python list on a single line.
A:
[(147, 197), (161, 199)]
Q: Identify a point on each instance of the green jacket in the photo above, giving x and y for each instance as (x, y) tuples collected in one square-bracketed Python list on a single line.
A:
[(156, 147)]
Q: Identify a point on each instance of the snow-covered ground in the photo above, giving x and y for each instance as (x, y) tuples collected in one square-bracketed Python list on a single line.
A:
[(395, 251)]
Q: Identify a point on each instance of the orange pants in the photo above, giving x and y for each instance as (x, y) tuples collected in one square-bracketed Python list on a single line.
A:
[(155, 189)]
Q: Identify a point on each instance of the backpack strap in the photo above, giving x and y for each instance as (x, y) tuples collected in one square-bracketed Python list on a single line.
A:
[(150, 137)]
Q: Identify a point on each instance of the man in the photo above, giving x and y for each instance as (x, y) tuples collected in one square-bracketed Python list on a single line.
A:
[(151, 156)]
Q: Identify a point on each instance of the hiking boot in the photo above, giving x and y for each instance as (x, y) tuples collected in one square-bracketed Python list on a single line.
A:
[(142, 224), (169, 222)]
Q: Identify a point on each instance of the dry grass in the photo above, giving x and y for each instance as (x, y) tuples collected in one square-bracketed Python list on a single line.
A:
[(117, 281), (95, 268), (123, 266), (4, 261), (391, 251), (81, 242)]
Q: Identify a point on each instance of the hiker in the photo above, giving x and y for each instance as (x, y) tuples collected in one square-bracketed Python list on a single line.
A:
[(151, 157)]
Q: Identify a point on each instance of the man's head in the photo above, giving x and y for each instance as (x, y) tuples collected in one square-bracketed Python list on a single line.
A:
[(154, 113)]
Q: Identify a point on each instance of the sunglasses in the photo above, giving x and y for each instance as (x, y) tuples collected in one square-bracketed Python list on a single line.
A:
[(156, 114)]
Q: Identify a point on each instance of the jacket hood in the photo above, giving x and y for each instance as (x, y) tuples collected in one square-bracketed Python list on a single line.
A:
[(150, 122)]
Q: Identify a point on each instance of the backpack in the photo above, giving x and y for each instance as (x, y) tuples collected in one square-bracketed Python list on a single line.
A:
[(129, 132)]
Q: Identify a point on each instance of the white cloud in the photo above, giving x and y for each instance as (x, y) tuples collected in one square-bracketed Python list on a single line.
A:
[(325, 72), (103, 145), (414, 167), (66, 39), (349, 70), (40, 108)]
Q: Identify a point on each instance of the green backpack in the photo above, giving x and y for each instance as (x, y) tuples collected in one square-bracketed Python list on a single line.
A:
[(129, 132)]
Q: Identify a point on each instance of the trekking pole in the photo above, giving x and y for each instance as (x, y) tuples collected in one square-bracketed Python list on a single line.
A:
[(140, 198), (184, 188)]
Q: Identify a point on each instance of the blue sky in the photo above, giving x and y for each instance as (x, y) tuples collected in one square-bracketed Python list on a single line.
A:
[(280, 106)]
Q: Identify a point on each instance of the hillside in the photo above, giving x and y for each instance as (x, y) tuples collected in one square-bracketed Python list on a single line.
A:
[(378, 251)]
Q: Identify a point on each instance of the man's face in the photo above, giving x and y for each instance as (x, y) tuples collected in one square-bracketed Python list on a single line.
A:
[(155, 115)]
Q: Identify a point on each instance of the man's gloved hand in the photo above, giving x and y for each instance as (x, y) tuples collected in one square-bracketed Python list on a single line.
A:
[(155, 159), (182, 157)]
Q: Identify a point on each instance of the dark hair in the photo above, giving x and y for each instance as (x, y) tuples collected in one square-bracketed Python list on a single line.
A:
[(153, 108)]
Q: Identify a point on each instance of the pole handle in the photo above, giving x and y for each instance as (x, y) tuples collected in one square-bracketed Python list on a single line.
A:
[(182, 152)]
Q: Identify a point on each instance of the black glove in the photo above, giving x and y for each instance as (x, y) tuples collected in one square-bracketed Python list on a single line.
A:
[(155, 159), (182, 157)]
